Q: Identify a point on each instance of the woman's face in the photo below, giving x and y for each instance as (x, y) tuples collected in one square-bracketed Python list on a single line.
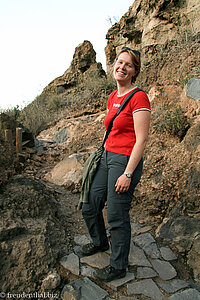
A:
[(124, 68)]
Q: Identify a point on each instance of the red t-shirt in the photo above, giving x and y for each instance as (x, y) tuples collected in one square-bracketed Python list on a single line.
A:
[(122, 137)]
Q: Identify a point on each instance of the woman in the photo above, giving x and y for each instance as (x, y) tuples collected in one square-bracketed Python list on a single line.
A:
[(120, 169)]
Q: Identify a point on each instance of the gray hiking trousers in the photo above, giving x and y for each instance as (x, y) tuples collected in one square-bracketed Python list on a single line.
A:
[(112, 166)]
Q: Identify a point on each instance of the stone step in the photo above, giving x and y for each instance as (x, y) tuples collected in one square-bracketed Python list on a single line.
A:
[(146, 287), (83, 288), (164, 269), (150, 274)]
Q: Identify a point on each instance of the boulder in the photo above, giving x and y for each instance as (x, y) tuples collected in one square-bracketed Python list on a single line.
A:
[(180, 232), (61, 136), (193, 88), (68, 172), (51, 281)]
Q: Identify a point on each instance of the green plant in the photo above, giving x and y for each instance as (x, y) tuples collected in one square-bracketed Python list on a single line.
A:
[(41, 111), (188, 74), (103, 83), (50, 106), (12, 112), (173, 121)]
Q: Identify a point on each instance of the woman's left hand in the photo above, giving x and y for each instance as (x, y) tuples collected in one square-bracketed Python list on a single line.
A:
[(123, 183)]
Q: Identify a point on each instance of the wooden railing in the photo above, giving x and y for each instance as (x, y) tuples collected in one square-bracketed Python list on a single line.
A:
[(9, 139)]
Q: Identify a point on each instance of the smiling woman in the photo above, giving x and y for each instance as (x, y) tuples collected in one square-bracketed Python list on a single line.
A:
[(120, 168)]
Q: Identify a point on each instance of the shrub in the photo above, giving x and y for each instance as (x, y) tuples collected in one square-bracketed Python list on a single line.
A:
[(12, 112), (106, 84), (173, 121), (49, 106)]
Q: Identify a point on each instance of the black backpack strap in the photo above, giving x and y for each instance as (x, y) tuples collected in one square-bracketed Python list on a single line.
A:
[(118, 112)]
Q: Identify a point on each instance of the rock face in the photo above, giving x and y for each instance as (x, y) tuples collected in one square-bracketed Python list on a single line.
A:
[(194, 258), (183, 233), (7, 168), (31, 234), (83, 63), (166, 32)]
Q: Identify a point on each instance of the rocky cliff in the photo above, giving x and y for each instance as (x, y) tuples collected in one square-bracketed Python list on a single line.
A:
[(83, 88), (83, 65), (167, 32)]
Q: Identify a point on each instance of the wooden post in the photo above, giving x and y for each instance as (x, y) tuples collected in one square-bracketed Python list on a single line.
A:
[(18, 140), (8, 136)]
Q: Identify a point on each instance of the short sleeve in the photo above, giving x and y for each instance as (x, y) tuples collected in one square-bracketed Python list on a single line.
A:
[(140, 101), (110, 100)]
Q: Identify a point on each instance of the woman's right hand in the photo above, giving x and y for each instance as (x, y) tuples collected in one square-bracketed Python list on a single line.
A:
[(122, 184)]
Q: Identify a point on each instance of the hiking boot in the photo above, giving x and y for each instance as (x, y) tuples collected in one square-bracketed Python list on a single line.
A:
[(90, 249), (109, 273)]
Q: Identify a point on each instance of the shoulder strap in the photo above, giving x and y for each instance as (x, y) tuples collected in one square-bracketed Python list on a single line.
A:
[(117, 113)]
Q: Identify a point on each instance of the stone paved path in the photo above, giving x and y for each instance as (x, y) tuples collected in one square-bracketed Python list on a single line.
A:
[(151, 274)]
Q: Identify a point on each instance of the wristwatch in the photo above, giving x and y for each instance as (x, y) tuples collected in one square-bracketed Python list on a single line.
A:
[(128, 174)]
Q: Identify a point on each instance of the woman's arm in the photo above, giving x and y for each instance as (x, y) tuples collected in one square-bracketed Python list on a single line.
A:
[(141, 121)]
